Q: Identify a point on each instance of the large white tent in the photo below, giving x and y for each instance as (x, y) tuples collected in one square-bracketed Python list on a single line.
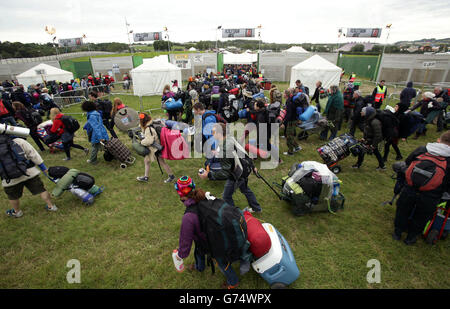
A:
[(150, 77), (296, 49), (245, 58), (43, 72), (315, 69)]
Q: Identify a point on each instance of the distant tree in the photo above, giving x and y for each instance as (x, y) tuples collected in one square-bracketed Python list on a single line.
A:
[(358, 48), (377, 49)]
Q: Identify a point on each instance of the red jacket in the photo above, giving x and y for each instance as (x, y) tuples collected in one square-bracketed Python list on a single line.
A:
[(58, 125)]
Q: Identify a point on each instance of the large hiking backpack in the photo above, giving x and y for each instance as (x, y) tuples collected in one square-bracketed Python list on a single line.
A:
[(426, 172), (70, 123), (105, 107), (389, 122), (13, 163), (300, 100), (225, 229), (218, 117)]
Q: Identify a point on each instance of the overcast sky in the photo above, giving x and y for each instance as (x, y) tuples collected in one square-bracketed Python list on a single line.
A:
[(282, 21)]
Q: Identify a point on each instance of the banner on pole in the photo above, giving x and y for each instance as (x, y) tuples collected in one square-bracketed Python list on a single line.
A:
[(363, 32), (238, 33), (70, 42), (147, 36), (182, 61)]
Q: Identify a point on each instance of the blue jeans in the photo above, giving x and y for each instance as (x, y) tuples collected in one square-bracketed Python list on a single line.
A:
[(226, 269), (9, 120), (242, 184)]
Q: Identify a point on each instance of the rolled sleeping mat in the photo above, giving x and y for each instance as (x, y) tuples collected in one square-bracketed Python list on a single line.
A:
[(306, 115), (259, 152), (12, 130), (65, 182), (126, 118), (251, 147)]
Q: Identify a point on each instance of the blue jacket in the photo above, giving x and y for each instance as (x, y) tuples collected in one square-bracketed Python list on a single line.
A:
[(94, 127)]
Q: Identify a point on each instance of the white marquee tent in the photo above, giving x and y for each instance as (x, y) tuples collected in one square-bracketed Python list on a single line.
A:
[(314, 69), (150, 77), (296, 49), (245, 58), (43, 72)]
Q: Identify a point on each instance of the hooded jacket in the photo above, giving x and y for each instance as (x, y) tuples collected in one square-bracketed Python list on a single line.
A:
[(407, 94), (373, 130), (94, 127)]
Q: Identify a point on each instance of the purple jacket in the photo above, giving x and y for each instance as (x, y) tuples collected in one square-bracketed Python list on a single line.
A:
[(189, 231)]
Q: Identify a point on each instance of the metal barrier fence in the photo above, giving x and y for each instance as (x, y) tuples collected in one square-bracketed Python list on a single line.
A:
[(77, 96)]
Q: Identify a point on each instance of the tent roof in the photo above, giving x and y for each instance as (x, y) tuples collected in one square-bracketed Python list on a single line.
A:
[(49, 70), (244, 58), (296, 49), (316, 63), (159, 63), (192, 49)]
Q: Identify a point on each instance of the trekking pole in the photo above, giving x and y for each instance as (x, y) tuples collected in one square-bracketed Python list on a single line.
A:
[(258, 175)]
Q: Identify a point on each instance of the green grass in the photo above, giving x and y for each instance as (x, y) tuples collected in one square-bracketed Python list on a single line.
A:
[(125, 239)]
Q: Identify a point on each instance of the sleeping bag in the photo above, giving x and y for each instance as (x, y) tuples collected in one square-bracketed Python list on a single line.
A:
[(260, 242)]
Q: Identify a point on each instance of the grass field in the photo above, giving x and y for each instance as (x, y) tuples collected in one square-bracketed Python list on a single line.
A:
[(125, 239)]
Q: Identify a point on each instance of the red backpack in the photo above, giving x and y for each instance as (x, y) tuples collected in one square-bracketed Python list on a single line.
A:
[(3, 109), (426, 172)]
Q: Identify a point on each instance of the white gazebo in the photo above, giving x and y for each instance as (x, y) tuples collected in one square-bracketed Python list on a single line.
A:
[(150, 77), (296, 49), (43, 72), (315, 69)]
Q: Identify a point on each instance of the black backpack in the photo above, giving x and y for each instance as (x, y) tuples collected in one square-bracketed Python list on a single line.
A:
[(390, 124), (105, 106), (13, 163), (70, 123), (225, 229), (36, 117)]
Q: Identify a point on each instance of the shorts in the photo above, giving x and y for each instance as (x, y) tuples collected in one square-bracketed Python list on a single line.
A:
[(34, 185)]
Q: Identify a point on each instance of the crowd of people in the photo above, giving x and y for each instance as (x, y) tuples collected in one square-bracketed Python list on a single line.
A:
[(218, 99)]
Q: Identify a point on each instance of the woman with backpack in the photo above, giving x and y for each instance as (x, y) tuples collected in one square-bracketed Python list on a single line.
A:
[(151, 140), (117, 106), (95, 129), (25, 115), (167, 94), (58, 130), (190, 231)]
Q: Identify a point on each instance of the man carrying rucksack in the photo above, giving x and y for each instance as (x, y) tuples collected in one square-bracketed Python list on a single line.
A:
[(373, 135), (200, 225), (426, 181), (20, 166), (236, 167)]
